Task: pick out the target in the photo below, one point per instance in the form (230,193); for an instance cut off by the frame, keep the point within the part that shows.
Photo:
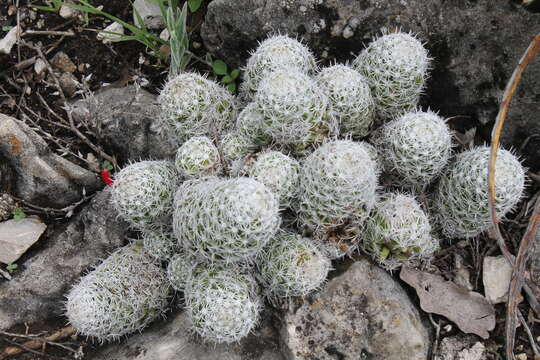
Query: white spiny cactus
(227,220)
(275,54)
(279,173)
(198,157)
(222,303)
(292,266)
(293,110)
(396,67)
(461,202)
(122,295)
(398,232)
(179,270)
(160,242)
(350,100)
(338,183)
(250,125)
(142,192)
(192,105)
(414,148)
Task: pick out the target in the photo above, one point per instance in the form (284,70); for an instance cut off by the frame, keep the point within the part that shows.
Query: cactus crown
(142,192)
(120,296)
(461,201)
(226,220)
(396,67)
(415,148)
(179,270)
(197,157)
(350,100)
(192,105)
(222,303)
(398,232)
(274,54)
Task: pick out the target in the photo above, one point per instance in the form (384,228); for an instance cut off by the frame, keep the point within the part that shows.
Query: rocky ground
(48,170)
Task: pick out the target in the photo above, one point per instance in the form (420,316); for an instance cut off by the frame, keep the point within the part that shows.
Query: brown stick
(37,343)
(517,277)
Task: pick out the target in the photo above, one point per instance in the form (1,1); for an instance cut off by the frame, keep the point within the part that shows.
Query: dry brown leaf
(469,310)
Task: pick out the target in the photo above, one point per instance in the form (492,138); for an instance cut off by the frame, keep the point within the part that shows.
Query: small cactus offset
(122,295)
(294,110)
(222,304)
(461,199)
(399,232)
(250,125)
(198,157)
(225,220)
(414,148)
(160,242)
(292,266)
(142,192)
(338,184)
(395,66)
(279,173)
(274,54)
(179,270)
(192,105)
(350,100)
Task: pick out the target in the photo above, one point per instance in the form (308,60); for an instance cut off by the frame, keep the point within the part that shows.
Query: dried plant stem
(35,343)
(519,265)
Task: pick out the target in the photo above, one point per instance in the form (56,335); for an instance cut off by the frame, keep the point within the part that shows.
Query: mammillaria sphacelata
(461,199)
(198,157)
(122,295)
(160,242)
(396,67)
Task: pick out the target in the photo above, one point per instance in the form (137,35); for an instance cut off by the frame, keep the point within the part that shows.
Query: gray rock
(45,274)
(125,118)
(7,205)
(496,276)
(461,347)
(362,314)
(41,177)
(7,42)
(475,44)
(62,62)
(172,340)
(150,13)
(16,236)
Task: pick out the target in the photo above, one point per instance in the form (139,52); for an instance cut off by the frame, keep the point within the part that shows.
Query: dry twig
(35,343)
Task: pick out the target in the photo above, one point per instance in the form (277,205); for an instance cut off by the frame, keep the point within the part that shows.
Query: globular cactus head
(414,148)
(225,220)
(396,67)
(461,200)
(179,270)
(160,242)
(337,191)
(198,157)
(294,110)
(192,105)
(279,173)
(292,266)
(122,295)
(235,148)
(142,192)
(250,125)
(350,100)
(222,303)
(274,54)
(398,232)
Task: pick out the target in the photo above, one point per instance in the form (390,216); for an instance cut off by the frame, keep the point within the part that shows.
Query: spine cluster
(198,157)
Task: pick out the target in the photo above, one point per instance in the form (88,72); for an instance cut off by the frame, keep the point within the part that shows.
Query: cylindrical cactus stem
(461,200)
(122,295)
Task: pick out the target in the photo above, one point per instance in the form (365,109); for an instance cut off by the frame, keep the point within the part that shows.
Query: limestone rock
(106,37)
(461,347)
(363,313)
(41,177)
(7,42)
(45,274)
(149,12)
(16,236)
(496,275)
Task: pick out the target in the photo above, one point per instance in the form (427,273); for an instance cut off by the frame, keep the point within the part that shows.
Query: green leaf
(232,88)
(219,67)
(18,214)
(7,28)
(12,267)
(235,73)
(384,253)
(107,165)
(227,79)
(194,5)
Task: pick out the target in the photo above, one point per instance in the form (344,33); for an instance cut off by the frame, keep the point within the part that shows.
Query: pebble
(149,12)
(68,83)
(108,38)
(496,276)
(6,44)
(40,66)
(16,236)
(61,61)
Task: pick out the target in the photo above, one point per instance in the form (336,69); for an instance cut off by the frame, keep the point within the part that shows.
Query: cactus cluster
(120,296)
(462,201)
(256,205)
